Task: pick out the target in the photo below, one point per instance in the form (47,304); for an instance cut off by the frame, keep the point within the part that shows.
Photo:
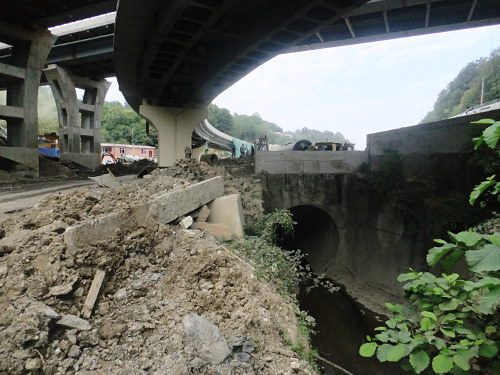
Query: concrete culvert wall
(316,235)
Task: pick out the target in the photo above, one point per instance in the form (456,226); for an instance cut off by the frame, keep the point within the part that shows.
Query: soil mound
(173,301)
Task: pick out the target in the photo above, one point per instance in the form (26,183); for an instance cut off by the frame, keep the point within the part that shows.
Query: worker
(242,151)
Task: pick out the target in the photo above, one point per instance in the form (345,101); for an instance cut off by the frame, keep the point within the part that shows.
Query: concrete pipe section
(341,325)
(211,159)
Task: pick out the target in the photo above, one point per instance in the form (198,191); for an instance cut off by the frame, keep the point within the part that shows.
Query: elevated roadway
(184,53)
(173,58)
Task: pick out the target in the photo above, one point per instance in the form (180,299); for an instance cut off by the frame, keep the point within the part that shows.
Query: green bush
(450,323)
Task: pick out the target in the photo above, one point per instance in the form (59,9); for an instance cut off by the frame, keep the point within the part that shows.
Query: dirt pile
(173,301)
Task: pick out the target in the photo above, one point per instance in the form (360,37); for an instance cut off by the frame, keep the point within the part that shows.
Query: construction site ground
(167,300)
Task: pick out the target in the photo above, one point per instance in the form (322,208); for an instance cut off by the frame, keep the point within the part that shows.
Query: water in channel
(341,323)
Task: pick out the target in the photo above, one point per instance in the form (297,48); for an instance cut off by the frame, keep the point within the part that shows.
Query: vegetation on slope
(250,127)
(465,90)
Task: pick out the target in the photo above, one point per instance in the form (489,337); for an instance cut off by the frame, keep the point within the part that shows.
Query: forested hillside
(465,90)
(121,124)
(249,127)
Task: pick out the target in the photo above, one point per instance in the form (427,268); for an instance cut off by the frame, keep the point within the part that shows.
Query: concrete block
(163,209)
(221,232)
(186,222)
(91,161)
(22,155)
(93,231)
(106,180)
(177,203)
(203,214)
(228,210)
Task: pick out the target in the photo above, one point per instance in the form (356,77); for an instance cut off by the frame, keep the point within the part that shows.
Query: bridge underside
(186,53)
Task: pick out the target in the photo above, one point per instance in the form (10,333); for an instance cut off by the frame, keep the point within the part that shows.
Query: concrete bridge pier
(21,78)
(175,127)
(79,120)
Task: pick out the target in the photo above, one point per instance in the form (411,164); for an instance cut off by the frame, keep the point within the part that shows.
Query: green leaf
(441,364)
(494,239)
(488,351)
(426,324)
(491,134)
(429,314)
(448,305)
(382,352)
(437,253)
(438,240)
(461,362)
(487,259)
(419,360)
(368,349)
(484,121)
(403,336)
(396,353)
(491,298)
(407,276)
(469,239)
(490,329)
(479,189)
(447,332)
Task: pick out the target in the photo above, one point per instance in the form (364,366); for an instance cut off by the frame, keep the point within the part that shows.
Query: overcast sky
(356,90)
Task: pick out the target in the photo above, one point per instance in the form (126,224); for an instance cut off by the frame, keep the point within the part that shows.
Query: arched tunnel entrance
(341,324)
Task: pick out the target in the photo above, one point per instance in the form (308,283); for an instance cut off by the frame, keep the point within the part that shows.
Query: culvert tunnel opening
(341,323)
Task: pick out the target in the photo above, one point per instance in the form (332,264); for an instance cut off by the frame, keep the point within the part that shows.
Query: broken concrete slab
(106,180)
(176,203)
(203,214)
(228,210)
(94,230)
(163,209)
(221,232)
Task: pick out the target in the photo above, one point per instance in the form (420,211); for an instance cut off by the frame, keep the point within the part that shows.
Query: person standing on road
(242,151)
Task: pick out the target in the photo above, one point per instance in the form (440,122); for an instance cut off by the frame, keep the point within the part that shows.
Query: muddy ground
(173,301)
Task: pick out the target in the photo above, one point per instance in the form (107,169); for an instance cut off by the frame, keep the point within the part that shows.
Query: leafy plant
(285,269)
(451,323)
(490,136)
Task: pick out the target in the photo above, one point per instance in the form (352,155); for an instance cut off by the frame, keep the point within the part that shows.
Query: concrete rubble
(156,298)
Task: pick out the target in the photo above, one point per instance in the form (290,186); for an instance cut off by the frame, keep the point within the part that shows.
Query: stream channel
(341,324)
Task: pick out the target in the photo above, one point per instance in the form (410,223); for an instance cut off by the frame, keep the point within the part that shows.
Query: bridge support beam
(175,128)
(20,76)
(79,120)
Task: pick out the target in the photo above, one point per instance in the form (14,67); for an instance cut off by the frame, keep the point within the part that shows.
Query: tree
(220,118)
(121,124)
(465,90)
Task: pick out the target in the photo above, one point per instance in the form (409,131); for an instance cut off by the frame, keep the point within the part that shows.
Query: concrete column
(175,128)
(79,120)
(20,75)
